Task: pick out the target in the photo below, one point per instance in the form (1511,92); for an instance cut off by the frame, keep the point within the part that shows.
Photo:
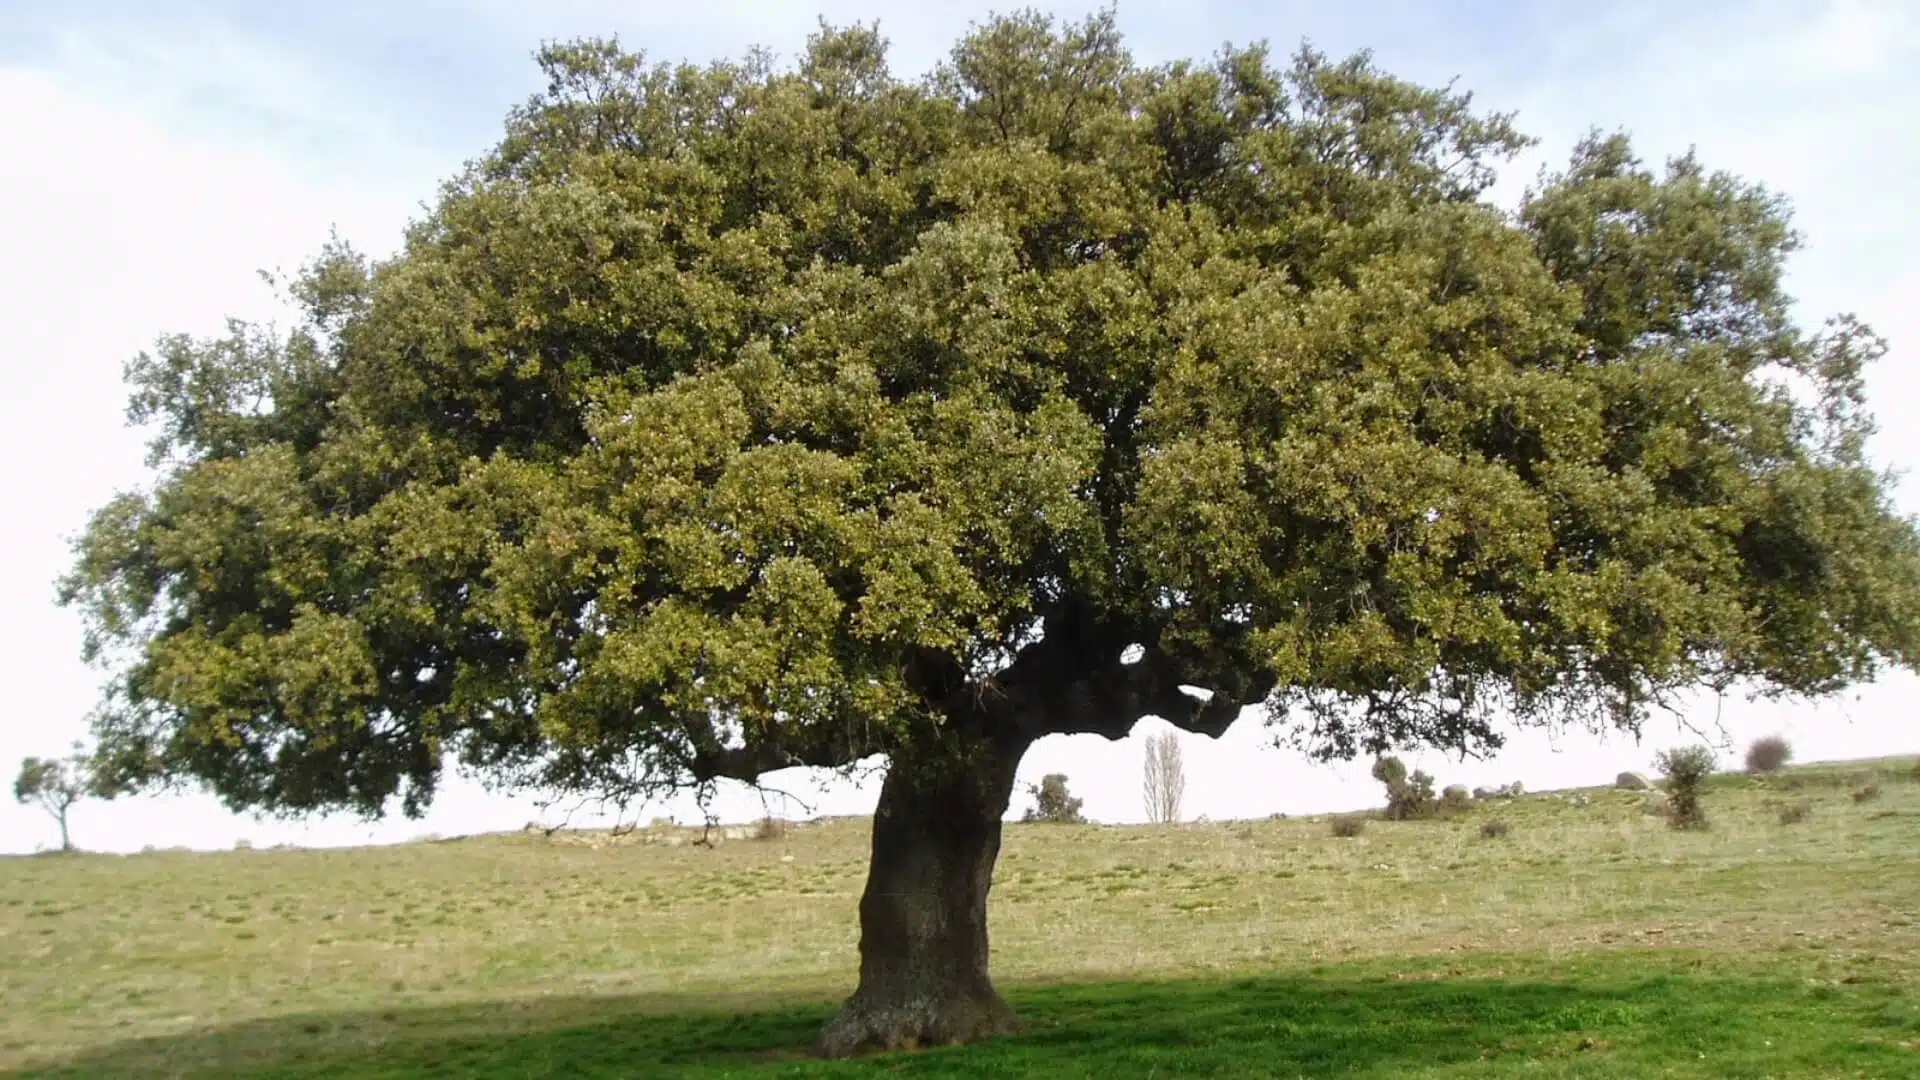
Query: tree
(1686,770)
(1165,783)
(1052,803)
(1768,754)
(727,419)
(54,785)
(1408,796)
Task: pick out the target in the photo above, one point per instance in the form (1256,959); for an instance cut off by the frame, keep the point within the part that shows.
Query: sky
(158,155)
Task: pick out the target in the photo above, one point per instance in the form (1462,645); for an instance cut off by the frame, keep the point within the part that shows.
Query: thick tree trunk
(923,918)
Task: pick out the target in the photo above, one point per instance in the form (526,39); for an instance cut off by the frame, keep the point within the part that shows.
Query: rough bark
(923,917)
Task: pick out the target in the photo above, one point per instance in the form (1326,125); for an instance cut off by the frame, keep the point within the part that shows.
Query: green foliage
(1389,770)
(724,418)
(1686,770)
(1866,794)
(1347,826)
(1455,800)
(1052,803)
(55,785)
(1408,796)
(1768,754)
(1794,813)
(1493,830)
(769,828)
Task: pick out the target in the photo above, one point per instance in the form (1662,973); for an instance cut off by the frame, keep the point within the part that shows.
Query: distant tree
(1409,796)
(1389,770)
(727,418)
(1686,770)
(1052,803)
(1165,782)
(54,785)
(1768,754)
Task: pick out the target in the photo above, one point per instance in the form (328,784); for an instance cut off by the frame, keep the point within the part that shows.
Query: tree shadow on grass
(1280,1026)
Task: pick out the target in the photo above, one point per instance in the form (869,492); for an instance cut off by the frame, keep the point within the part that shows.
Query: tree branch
(1112,698)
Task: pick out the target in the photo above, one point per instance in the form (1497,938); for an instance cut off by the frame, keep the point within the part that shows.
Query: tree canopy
(726,418)
(54,785)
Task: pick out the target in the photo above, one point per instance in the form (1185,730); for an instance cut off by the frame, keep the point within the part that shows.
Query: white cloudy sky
(155,155)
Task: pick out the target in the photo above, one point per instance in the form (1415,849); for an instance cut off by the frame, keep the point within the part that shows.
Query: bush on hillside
(1493,830)
(1630,781)
(769,828)
(1768,754)
(1389,770)
(1348,825)
(1867,794)
(1686,770)
(1409,795)
(1455,800)
(1052,803)
(1794,813)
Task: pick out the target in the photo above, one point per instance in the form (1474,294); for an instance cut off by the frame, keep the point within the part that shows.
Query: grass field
(1590,941)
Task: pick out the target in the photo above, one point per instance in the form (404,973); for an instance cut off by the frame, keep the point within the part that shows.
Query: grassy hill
(1589,941)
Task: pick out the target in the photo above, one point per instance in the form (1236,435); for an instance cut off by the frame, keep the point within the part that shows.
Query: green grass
(1590,941)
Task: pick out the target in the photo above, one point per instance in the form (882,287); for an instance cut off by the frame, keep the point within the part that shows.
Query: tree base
(864,1026)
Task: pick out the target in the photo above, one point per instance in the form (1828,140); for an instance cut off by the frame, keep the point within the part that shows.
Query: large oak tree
(726,419)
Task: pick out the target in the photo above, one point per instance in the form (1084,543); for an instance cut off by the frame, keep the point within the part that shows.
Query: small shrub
(1051,802)
(1493,830)
(243,844)
(1455,800)
(1409,796)
(1686,770)
(1349,825)
(769,828)
(1630,781)
(1389,770)
(1794,813)
(1768,754)
(1867,794)
(1913,774)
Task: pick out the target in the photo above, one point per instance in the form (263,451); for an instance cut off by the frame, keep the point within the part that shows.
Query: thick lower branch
(1110,699)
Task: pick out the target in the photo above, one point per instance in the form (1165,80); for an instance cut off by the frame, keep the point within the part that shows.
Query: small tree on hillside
(1166,779)
(54,785)
(1686,770)
(1409,796)
(1769,753)
(1052,803)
